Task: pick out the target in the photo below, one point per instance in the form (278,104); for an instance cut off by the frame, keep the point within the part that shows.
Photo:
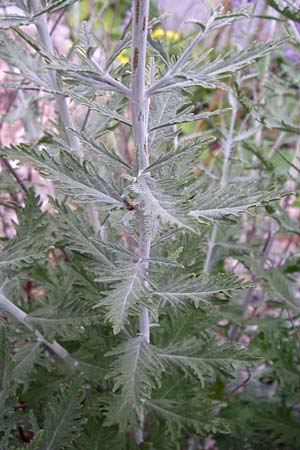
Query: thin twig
(4,161)
(14,173)
(7,205)
(292,323)
(57,22)
(230,393)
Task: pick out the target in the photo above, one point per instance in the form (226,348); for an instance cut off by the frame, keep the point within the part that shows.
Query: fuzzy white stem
(61,101)
(139,113)
(228,144)
(210,248)
(112,82)
(22,317)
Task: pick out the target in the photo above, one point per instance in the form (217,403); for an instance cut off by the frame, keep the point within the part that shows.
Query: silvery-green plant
(128,310)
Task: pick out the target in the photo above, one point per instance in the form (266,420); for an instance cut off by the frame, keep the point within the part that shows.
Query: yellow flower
(169,34)
(157,33)
(122,57)
(172,35)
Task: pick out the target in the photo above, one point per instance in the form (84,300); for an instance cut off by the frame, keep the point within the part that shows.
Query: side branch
(110,81)
(61,102)
(22,317)
(173,71)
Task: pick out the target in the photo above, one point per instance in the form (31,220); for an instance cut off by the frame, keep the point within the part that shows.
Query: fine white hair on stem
(139,113)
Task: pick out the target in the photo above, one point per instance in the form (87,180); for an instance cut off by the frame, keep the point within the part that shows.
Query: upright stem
(139,113)
(61,102)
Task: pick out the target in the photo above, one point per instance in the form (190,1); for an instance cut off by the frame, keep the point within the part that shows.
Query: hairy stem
(61,102)
(139,112)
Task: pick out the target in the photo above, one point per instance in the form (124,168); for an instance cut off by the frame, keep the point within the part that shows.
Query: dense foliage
(150,298)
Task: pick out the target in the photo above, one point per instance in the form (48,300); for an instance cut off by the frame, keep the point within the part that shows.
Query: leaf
(228,18)
(66,308)
(33,43)
(119,412)
(178,289)
(136,371)
(83,183)
(161,199)
(86,74)
(119,47)
(222,20)
(232,63)
(290,13)
(190,416)
(63,418)
(7,384)
(80,237)
(108,156)
(168,110)
(279,284)
(284,126)
(25,357)
(203,358)
(176,155)
(97,436)
(55,5)
(209,74)
(104,110)
(87,43)
(12,20)
(159,49)
(127,297)
(187,116)
(220,203)
(32,238)
(266,163)
(16,54)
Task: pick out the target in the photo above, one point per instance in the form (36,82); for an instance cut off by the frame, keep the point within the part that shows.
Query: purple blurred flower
(292,54)
(238,3)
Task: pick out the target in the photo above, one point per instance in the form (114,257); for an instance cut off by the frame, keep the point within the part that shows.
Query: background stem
(61,102)
(227,152)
